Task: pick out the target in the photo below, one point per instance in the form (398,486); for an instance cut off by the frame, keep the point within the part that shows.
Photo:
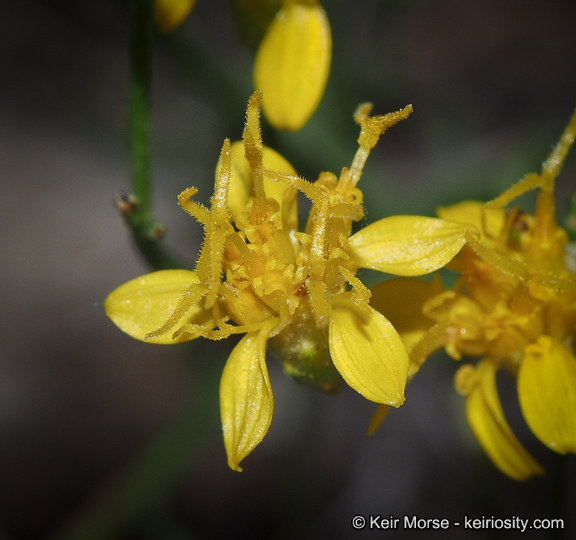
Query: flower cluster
(514,307)
(293,292)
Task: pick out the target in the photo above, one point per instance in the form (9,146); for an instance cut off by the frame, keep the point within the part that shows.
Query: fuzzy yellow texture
(259,275)
(514,306)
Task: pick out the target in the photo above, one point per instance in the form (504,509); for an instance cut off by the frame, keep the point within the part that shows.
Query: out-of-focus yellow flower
(514,306)
(293,62)
(293,292)
(170,13)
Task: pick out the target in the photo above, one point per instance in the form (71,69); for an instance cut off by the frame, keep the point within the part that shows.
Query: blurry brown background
(492,83)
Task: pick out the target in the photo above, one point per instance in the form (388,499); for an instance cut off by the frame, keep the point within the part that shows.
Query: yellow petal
(475,213)
(400,300)
(144,304)
(241,184)
(367,351)
(246,401)
(378,418)
(487,421)
(292,64)
(547,393)
(170,13)
(407,245)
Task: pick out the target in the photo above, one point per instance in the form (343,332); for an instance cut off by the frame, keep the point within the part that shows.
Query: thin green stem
(141,47)
(136,206)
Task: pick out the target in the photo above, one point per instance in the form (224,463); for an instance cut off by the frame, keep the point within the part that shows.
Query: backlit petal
(400,300)
(292,64)
(487,421)
(407,245)
(144,304)
(246,401)
(547,393)
(475,213)
(367,351)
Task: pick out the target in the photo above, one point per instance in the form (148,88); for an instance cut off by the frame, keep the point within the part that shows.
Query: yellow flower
(292,63)
(514,305)
(294,293)
(170,13)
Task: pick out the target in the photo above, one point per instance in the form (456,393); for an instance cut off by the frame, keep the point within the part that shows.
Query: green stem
(136,207)
(141,47)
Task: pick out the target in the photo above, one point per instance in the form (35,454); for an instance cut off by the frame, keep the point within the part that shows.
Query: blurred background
(102,436)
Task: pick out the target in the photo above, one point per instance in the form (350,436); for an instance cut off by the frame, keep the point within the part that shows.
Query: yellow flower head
(170,13)
(514,306)
(294,292)
(293,62)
